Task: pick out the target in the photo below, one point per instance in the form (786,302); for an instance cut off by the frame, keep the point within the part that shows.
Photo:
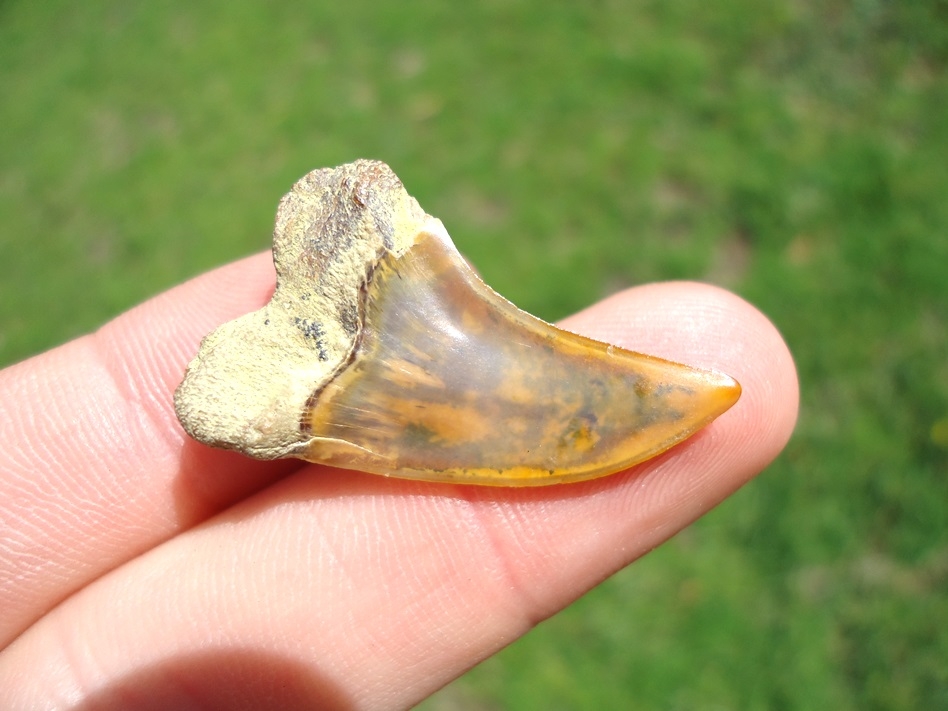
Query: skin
(142,570)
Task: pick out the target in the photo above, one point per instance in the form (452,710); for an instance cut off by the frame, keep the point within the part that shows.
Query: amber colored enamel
(451,382)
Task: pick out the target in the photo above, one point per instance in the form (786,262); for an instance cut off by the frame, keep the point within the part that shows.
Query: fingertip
(709,327)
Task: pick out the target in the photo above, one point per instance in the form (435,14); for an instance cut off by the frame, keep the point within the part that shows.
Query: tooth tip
(728,389)
(720,393)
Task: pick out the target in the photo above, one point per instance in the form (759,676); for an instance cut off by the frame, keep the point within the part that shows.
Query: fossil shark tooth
(381,350)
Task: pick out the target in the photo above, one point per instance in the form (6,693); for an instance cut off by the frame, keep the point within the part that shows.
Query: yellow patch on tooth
(471,323)
(410,375)
(514,388)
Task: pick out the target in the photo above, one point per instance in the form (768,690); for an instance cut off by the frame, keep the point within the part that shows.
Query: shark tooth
(382,350)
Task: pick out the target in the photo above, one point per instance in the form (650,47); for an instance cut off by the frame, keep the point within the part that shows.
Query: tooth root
(382,351)
(451,382)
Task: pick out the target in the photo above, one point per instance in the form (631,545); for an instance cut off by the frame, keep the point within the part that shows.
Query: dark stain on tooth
(415,434)
(313,331)
(349,316)
(359,195)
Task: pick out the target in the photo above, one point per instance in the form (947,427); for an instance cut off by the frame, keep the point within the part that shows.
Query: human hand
(142,570)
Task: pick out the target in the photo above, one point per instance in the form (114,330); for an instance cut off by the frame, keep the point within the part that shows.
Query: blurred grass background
(796,152)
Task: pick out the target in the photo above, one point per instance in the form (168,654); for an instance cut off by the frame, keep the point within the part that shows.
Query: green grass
(796,152)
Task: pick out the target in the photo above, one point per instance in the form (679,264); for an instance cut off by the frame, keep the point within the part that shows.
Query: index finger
(96,468)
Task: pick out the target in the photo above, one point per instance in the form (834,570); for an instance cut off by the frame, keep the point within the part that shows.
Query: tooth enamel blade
(451,382)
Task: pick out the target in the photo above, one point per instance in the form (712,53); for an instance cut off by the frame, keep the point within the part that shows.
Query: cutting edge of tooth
(361,419)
